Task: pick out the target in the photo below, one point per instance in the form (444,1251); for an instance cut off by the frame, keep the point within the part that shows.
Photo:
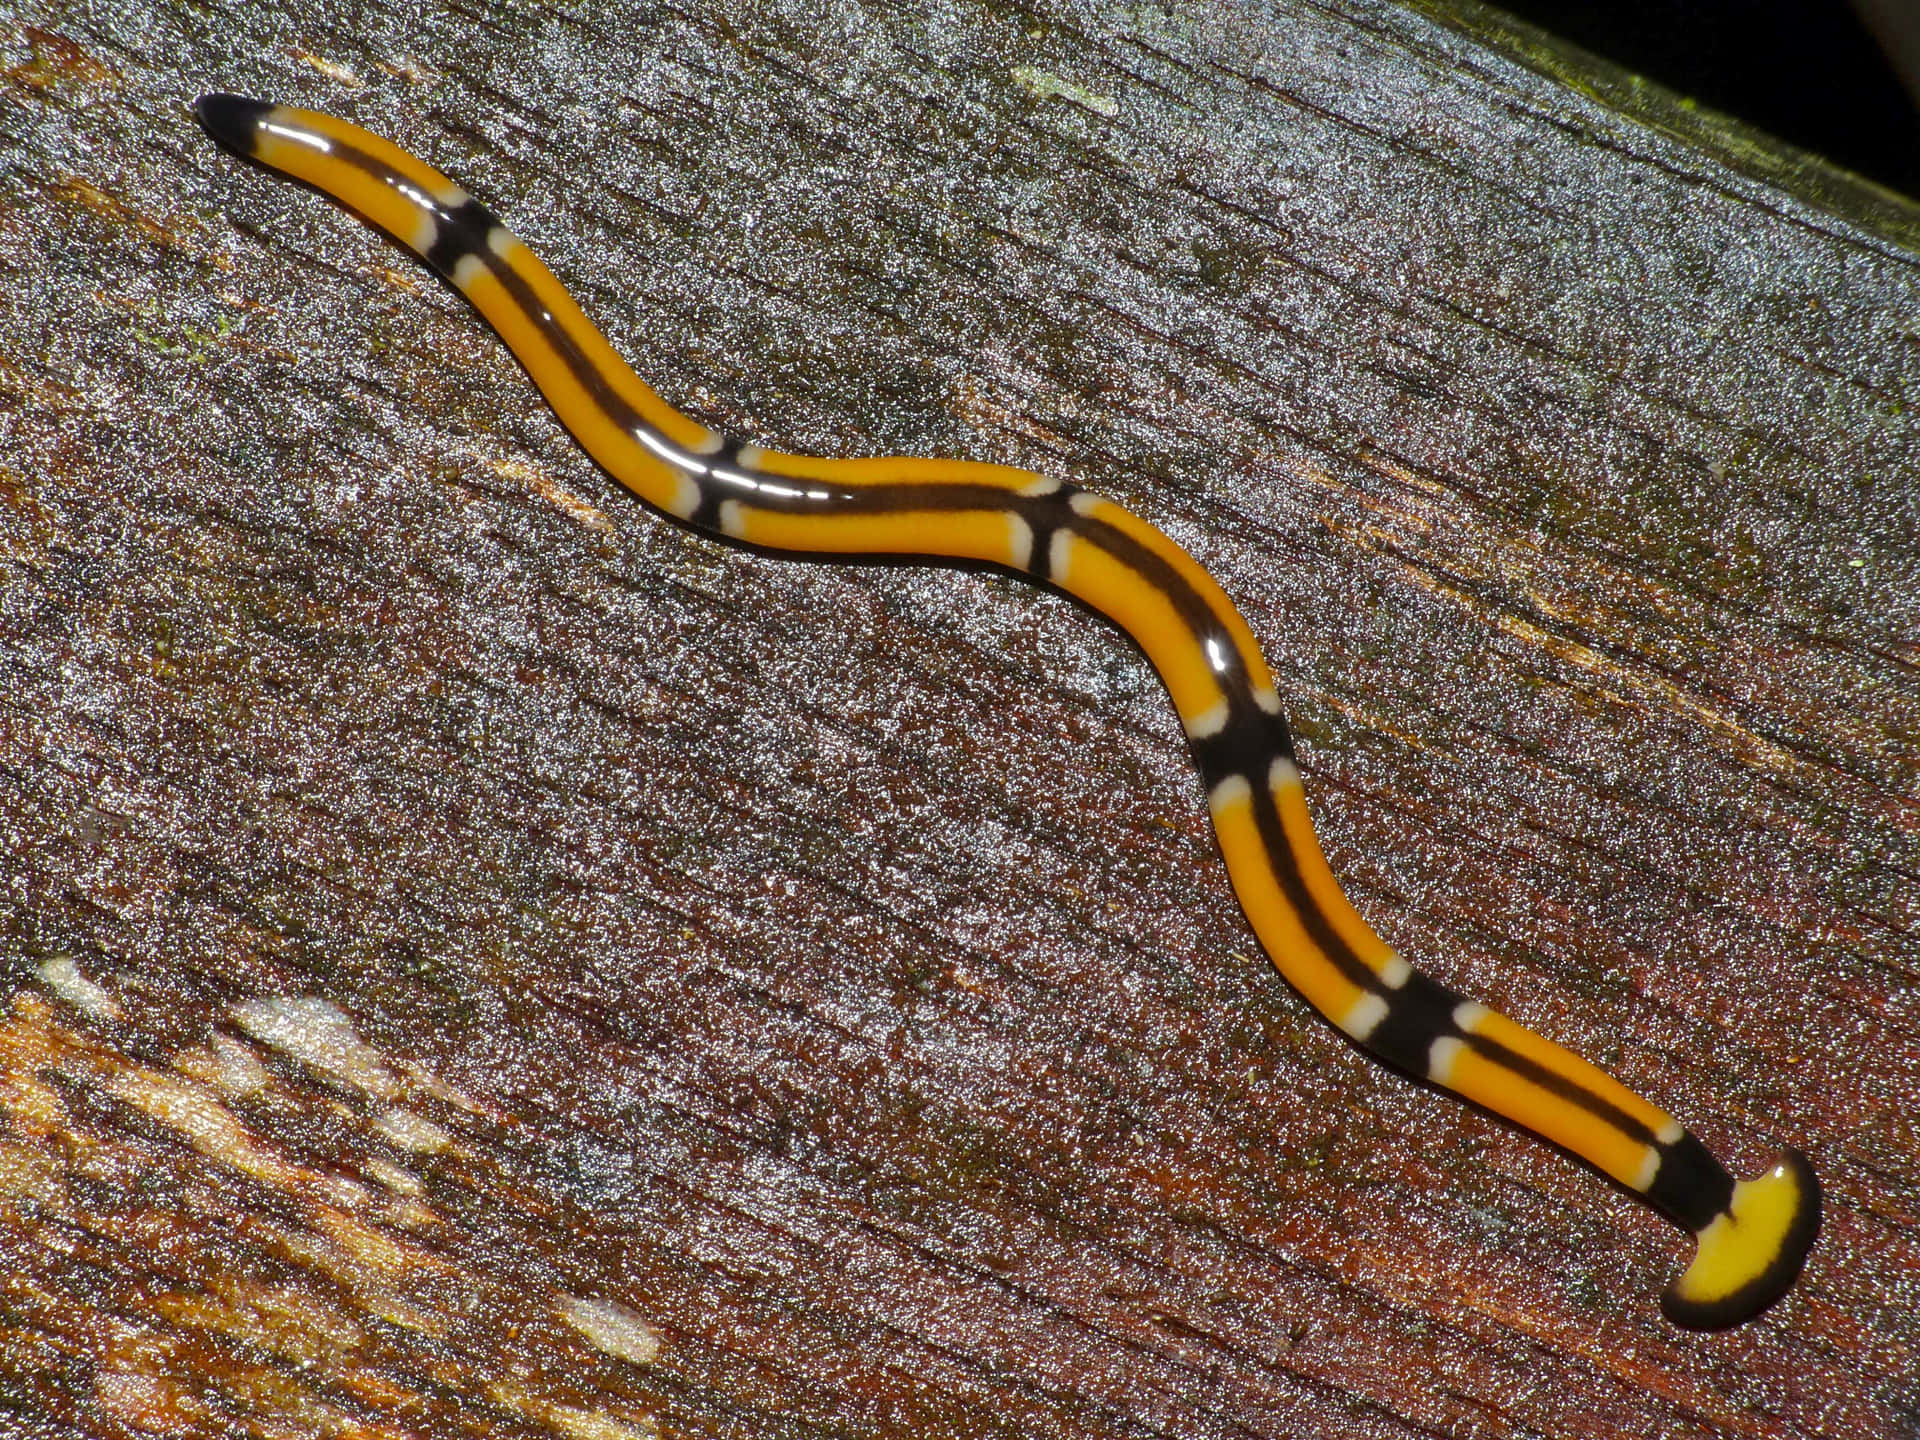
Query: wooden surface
(483,961)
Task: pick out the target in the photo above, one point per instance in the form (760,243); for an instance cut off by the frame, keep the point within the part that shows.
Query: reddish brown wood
(483,961)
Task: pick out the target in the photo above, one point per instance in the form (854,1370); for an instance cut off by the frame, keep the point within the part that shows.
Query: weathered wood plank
(484,961)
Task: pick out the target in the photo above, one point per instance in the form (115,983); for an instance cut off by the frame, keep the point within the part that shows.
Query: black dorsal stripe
(1285,866)
(466,243)
(1421,1011)
(465,231)
(1554,1083)
(1139,578)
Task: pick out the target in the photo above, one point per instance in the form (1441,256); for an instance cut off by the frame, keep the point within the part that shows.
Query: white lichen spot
(555,494)
(318,1033)
(412,69)
(238,1070)
(292,1323)
(400,1181)
(1042,86)
(195,1112)
(410,1214)
(28,1177)
(332,69)
(568,1419)
(62,976)
(344,1191)
(140,1400)
(360,1250)
(612,1329)
(423,1079)
(412,1132)
(408,1316)
(592,1425)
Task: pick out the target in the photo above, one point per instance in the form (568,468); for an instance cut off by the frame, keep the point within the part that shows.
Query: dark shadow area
(1807,71)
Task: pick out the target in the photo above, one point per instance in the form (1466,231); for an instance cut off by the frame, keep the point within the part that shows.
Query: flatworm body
(1752,1236)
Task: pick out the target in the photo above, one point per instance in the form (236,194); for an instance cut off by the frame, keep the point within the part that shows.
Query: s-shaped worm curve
(1751,1236)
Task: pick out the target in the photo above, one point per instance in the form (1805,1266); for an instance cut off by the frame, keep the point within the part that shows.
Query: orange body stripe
(1752,1237)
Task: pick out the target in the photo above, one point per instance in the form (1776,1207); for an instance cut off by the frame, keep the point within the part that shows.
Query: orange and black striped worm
(1752,1236)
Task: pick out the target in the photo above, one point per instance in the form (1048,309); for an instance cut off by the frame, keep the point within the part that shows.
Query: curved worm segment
(1751,1251)
(1752,1237)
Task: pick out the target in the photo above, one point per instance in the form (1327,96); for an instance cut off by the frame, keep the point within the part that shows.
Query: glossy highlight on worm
(1752,1236)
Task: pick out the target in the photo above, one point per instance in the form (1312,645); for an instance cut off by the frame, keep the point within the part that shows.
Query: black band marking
(1690,1187)
(458,233)
(1418,1013)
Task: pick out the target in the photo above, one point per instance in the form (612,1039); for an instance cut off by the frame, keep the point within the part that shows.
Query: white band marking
(1363,1015)
(1059,552)
(1019,542)
(1209,722)
(1440,1058)
(1229,792)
